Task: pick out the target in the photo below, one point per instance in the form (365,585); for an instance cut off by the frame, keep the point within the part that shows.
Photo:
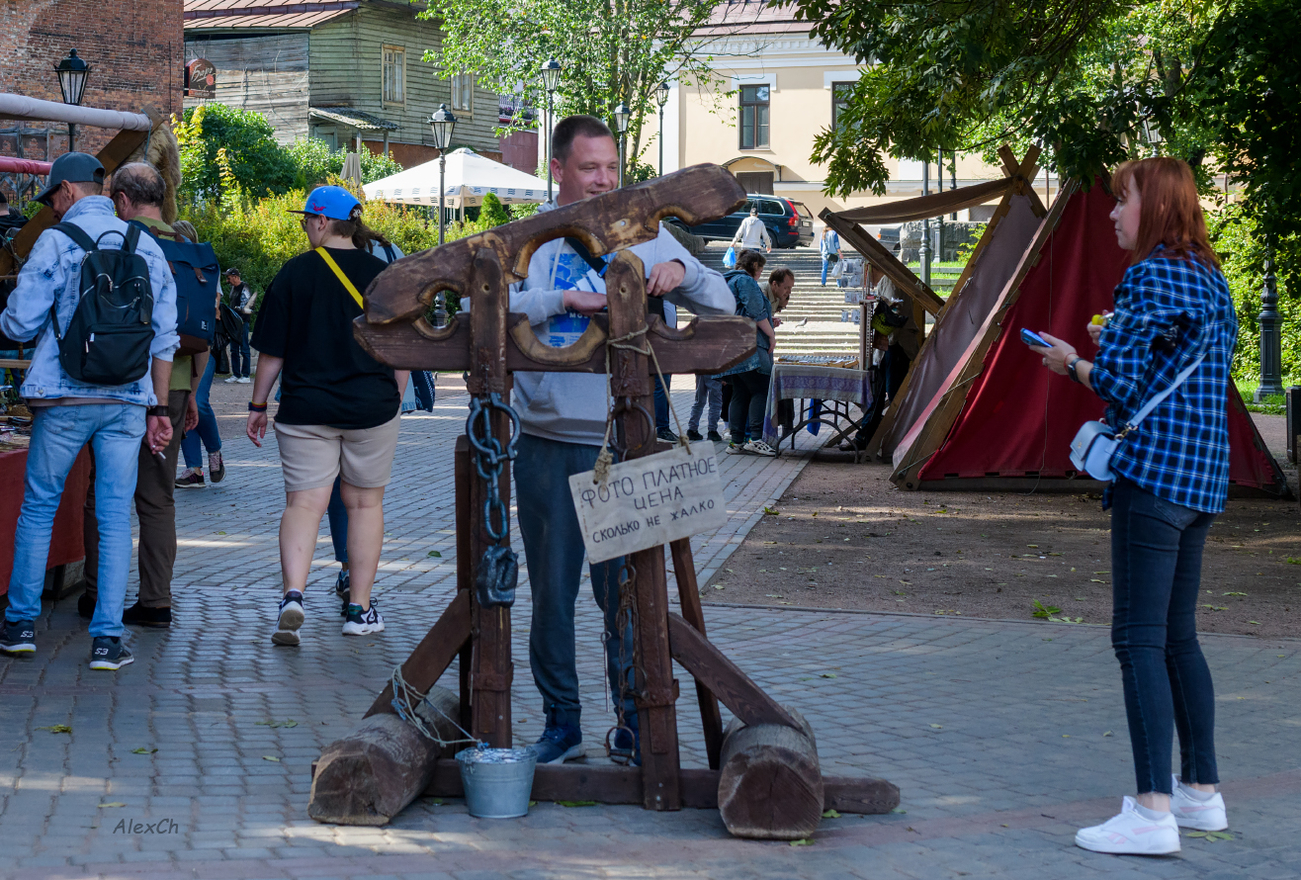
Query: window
(840,93)
(395,75)
(463,92)
(754,117)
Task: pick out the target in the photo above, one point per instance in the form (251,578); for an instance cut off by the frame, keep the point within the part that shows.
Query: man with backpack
(99,300)
(137,191)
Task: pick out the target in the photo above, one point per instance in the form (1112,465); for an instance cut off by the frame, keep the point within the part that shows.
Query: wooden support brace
(433,655)
(684,568)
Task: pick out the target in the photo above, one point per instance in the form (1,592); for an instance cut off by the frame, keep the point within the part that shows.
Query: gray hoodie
(571,407)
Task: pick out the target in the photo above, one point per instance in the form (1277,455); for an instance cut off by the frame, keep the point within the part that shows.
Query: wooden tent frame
(490,343)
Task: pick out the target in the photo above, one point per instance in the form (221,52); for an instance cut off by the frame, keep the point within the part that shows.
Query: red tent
(1000,420)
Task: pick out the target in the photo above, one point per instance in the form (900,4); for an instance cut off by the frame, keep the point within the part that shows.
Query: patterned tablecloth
(812,382)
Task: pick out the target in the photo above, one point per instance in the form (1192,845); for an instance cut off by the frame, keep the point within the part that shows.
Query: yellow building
(776,88)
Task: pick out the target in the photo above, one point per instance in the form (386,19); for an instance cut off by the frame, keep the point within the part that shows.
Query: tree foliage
(612,51)
(493,212)
(1094,82)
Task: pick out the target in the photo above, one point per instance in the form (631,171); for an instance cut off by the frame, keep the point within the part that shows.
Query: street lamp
(622,114)
(442,123)
(72,73)
(550,81)
(1271,338)
(662,98)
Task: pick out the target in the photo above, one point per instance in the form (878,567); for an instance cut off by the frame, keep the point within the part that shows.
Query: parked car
(789,223)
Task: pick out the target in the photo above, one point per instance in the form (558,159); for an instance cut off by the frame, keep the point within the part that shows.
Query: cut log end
(770,786)
(369,776)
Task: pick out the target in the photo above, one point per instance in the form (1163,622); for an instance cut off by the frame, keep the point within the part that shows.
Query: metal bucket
(497,782)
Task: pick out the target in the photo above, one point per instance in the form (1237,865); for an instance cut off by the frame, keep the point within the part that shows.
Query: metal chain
(490,457)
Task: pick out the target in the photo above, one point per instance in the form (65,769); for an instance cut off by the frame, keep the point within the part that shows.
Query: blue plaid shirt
(1180,452)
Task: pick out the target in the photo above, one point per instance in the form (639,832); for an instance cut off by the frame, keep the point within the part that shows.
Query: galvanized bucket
(497,782)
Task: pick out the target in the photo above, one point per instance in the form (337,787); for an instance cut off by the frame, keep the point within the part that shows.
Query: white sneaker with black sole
(1132,833)
(758,447)
(289,620)
(1197,810)
(361,622)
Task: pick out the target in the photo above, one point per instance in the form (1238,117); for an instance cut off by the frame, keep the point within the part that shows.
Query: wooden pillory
(763,770)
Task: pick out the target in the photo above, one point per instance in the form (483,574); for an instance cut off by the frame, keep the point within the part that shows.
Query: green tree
(493,212)
(612,52)
(315,161)
(261,165)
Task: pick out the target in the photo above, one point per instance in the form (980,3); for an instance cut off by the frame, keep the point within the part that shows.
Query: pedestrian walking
(750,377)
(1174,327)
(240,299)
(752,234)
(205,435)
(338,413)
(99,300)
(829,248)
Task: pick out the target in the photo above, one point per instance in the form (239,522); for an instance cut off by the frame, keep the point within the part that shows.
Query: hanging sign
(649,501)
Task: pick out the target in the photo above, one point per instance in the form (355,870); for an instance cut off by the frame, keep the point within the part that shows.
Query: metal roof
(263,14)
(353,118)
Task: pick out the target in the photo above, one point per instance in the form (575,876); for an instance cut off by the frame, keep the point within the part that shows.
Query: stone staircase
(820,308)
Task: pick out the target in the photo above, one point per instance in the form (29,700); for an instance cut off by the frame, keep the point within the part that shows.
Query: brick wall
(133,47)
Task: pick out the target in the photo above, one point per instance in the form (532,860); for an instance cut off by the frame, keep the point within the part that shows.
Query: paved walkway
(1003,737)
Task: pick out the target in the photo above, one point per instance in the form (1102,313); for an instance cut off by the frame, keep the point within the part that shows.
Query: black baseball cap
(74,168)
(233,271)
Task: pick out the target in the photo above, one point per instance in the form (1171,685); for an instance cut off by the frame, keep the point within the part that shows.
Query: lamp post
(441,124)
(622,114)
(550,80)
(662,98)
(924,252)
(72,73)
(1271,338)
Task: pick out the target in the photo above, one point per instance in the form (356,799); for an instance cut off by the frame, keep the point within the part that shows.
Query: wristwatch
(160,410)
(1070,368)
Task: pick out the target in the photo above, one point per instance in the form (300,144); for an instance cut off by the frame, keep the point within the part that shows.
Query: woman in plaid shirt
(1172,306)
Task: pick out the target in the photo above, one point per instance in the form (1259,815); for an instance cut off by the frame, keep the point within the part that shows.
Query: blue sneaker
(559,743)
(18,637)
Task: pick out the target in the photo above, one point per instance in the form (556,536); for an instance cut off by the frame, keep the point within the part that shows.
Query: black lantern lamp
(72,73)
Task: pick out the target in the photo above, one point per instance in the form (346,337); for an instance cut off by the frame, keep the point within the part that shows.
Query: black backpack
(107,341)
(194,269)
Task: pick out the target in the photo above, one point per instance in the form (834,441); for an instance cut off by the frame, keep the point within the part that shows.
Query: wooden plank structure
(490,343)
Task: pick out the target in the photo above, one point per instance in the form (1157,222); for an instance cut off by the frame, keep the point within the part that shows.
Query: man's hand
(191,414)
(665,277)
(585,302)
(257,427)
(158,433)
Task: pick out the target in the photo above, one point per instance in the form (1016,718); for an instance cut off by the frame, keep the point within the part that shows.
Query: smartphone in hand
(1029,337)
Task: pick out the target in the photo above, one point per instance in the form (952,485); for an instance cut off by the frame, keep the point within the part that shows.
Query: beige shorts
(313,455)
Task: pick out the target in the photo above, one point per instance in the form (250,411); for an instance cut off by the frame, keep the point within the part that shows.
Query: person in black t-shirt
(338,412)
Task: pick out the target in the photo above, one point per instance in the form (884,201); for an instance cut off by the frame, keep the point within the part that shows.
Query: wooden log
(770,786)
(859,794)
(367,777)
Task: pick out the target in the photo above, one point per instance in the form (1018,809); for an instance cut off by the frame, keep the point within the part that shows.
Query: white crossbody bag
(1095,443)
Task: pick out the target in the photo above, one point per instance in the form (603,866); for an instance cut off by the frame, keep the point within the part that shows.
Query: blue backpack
(194,268)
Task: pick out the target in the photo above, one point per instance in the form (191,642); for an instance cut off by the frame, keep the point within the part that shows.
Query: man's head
(73,177)
(754,210)
(781,282)
(232,277)
(584,159)
(137,190)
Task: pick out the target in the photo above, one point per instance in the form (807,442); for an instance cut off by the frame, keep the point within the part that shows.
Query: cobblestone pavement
(194,762)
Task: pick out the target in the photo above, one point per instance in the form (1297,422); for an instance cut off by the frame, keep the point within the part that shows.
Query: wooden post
(630,382)
(771,785)
(684,568)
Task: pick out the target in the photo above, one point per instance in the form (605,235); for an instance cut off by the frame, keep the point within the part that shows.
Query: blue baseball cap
(334,202)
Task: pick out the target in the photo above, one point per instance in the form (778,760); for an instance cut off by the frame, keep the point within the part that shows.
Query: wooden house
(343,71)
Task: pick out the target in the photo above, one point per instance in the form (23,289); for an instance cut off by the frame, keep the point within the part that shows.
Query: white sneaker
(289,620)
(230,379)
(243,380)
(1189,812)
(361,623)
(758,447)
(1131,833)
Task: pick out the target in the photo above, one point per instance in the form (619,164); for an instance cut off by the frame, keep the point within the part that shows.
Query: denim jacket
(52,274)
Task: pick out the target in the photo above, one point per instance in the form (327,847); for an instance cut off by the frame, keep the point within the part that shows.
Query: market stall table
(824,378)
(66,546)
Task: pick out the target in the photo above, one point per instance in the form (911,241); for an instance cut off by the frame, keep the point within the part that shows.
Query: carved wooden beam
(610,222)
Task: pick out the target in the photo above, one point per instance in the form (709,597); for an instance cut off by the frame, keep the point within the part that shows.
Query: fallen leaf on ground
(113,804)
(143,751)
(271,758)
(57,728)
(436,554)
(804,841)
(576,803)
(830,814)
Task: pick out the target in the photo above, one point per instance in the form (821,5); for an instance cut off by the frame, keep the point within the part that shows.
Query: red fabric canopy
(1019,418)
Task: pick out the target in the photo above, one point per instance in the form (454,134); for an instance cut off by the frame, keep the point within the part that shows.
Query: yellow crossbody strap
(343,279)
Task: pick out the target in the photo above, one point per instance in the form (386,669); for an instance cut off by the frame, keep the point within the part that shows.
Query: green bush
(493,212)
(1243,254)
(316,161)
(253,157)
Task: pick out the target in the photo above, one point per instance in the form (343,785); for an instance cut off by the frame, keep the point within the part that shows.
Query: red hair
(1169,211)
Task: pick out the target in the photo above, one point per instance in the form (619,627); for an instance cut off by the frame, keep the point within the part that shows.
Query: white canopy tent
(469,178)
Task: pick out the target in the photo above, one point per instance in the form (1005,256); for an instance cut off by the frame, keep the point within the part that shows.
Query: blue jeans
(749,403)
(709,389)
(553,548)
(207,428)
(662,403)
(240,356)
(1156,560)
(114,431)
(337,513)
(826,264)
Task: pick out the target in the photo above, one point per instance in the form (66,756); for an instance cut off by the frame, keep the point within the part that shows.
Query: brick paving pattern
(1003,737)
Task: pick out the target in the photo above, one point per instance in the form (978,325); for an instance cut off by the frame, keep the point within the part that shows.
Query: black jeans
(749,400)
(1156,560)
(240,356)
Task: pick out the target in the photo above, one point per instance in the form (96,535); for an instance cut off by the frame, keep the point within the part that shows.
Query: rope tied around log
(406,699)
